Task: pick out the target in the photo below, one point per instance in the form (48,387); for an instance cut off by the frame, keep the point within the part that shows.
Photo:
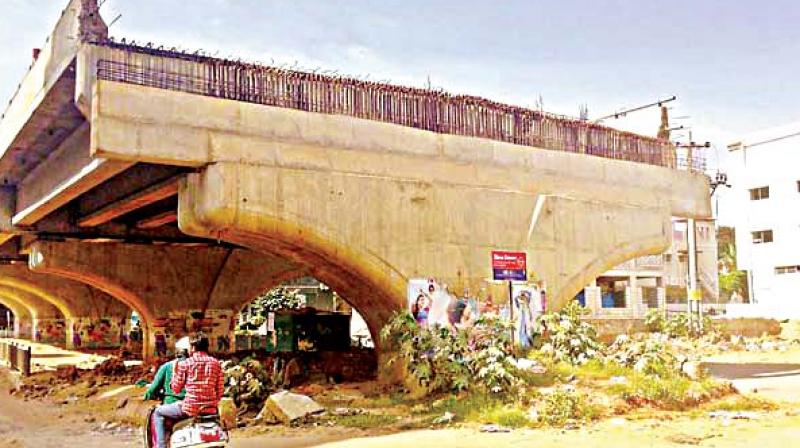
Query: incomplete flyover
(182,186)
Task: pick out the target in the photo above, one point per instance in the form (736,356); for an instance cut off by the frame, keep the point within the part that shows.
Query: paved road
(776,381)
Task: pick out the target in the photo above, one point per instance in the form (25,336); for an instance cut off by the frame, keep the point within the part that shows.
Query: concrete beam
(158,220)
(88,177)
(139,123)
(142,198)
(55,56)
(66,174)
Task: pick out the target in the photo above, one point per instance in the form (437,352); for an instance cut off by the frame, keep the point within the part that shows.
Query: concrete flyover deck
(182,185)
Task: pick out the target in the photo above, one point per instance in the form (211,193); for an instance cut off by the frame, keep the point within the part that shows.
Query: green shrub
(646,355)
(654,321)
(441,359)
(676,325)
(562,406)
(566,337)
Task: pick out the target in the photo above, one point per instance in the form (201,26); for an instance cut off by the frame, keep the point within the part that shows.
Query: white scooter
(203,431)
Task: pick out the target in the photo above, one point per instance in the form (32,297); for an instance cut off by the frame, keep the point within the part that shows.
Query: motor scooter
(202,431)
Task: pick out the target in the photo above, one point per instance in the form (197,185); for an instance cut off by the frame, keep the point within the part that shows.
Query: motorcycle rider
(160,388)
(202,377)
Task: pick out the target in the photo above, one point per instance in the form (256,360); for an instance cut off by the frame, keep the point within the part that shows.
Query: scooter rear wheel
(148,432)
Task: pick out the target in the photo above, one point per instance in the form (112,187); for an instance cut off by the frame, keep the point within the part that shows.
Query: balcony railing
(645,263)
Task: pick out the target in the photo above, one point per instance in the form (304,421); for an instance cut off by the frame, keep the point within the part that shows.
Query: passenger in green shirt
(161,383)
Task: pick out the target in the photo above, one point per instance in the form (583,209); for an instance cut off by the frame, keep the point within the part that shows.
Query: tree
(276,299)
(731,279)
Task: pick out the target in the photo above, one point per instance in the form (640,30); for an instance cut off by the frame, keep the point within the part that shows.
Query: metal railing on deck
(418,108)
(16,356)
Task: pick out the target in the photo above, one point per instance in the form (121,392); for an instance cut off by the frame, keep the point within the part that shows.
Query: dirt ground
(775,375)
(38,425)
(616,433)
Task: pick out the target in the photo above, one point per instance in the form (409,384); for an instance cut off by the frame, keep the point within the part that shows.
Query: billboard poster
(509,265)
(432,304)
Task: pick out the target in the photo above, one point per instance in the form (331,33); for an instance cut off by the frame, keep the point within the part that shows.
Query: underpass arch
(20,285)
(623,253)
(21,314)
(370,284)
(106,285)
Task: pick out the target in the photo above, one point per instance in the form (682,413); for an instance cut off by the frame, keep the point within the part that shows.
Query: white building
(764,207)
(657,281)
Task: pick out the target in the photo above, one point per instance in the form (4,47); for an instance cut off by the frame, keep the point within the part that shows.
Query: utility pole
(693,295)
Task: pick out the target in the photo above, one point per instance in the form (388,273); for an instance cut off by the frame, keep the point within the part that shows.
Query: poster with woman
(419,300)
(429,302)
(527,306)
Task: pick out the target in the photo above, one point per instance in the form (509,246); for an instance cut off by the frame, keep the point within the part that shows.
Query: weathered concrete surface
(371,205)
(289,407)
(165,284)
(23,317)
(79,306)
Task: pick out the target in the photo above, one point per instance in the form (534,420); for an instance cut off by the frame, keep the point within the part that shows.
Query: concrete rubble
(289,407)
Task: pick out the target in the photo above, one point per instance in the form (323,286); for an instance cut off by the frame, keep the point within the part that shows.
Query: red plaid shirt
(204,381)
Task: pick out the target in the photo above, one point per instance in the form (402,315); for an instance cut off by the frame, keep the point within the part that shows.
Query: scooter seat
(207,418)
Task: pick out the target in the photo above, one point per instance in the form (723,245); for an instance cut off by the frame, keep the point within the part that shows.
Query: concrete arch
(372,285)
(38,262)
(40,309)
(594,269)
(164,284)
(29,310)
(23,317)
(19,285)
(75,299)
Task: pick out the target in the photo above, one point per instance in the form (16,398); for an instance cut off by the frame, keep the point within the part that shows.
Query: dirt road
(38,425)
(779,432)
(34,424)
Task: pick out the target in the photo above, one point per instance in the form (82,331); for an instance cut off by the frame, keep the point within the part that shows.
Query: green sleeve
(156,388)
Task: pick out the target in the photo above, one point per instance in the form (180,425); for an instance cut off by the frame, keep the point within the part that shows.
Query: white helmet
(182,344)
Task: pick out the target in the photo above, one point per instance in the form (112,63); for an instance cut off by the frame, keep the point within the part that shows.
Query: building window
(798,186)
(762,236)
(757,194)
(787,269)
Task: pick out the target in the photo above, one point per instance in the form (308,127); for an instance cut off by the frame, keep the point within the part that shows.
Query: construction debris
(289,407)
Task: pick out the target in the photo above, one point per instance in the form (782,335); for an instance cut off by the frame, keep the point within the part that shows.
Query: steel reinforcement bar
(430,110)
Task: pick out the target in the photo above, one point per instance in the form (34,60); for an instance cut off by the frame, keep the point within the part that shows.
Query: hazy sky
(734,65)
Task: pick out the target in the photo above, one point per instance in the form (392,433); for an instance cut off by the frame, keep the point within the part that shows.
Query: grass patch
(366,420)
(466,407)
(741,403)
(508,416)
(594,370)
(670,392)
